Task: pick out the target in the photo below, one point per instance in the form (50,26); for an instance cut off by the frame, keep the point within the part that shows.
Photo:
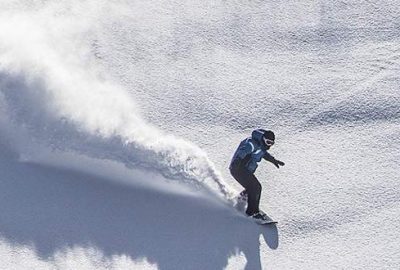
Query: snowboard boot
(243,196)
(259,218)
(241,201)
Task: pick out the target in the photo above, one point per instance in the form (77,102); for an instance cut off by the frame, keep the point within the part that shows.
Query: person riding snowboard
(244,163)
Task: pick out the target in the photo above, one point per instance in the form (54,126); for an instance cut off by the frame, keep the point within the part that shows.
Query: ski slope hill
(118,121)
(58,217)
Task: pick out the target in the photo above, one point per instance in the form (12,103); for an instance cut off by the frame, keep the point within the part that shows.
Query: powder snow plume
(51,90)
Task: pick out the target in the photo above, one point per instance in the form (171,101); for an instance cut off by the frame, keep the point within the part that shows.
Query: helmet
(269,138)
(269,135)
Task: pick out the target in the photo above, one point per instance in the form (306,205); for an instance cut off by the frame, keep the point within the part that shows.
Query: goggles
(269,142)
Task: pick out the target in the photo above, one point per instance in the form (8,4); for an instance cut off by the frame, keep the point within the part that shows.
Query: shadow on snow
(54,209)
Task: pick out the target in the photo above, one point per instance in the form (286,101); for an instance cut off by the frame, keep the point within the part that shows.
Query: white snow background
(118,120)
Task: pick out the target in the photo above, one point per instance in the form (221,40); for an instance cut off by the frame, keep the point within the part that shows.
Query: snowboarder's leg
(252,186)
(254,193)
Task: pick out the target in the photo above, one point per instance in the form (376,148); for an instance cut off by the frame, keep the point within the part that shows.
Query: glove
(278,163)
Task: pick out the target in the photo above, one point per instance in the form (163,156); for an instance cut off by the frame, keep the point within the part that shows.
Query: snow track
(64,104)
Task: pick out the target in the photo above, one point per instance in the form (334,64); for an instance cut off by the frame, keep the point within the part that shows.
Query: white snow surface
(118,120)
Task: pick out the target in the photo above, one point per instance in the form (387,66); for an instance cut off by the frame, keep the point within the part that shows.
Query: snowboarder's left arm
(273,160)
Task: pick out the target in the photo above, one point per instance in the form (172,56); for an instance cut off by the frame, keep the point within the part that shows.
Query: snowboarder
(244,163)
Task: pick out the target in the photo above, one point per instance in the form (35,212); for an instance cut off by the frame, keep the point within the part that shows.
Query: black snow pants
(252,186)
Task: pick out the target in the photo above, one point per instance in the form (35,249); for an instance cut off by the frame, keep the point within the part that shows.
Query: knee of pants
(256,187)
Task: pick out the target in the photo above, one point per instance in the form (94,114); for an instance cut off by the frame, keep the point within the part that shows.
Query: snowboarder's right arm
(242,154)
(245,148)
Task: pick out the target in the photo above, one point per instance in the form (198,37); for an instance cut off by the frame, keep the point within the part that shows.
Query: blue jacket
(250,152)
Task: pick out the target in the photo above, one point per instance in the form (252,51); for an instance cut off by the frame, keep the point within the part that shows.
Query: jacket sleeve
(269,157)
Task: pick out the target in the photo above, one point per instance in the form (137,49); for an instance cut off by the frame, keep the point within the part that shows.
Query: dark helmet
(269,138)
(269,135)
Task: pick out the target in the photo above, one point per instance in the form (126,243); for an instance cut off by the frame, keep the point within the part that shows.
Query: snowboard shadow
(55,209)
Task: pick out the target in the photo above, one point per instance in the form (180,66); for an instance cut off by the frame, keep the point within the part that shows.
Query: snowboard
(265,221)
(241,204)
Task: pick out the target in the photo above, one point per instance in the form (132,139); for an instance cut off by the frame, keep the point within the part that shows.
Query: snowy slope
(118,120)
